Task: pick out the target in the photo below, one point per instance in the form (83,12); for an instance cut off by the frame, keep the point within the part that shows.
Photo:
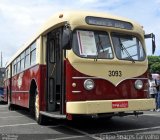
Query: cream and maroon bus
(81,63)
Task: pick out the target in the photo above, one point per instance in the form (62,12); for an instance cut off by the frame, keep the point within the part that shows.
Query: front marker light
(138,84)
(89,84)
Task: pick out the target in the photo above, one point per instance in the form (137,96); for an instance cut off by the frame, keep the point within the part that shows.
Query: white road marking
(151,114)
(3,107)
(132,130)
(7,112)
(11,117)
(13,125)
(84,133)
(65,138)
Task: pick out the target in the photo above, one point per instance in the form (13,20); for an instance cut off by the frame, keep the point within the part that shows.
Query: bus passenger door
(53,71)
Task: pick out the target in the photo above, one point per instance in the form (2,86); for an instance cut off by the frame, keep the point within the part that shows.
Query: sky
(21,19)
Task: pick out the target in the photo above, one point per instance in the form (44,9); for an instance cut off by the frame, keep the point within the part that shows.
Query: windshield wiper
(123,48)
(96,57)
(99,45)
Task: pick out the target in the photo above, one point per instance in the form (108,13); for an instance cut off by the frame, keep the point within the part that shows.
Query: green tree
(154,64)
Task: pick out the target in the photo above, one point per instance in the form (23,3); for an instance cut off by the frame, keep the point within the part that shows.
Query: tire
(38,117)
(109,118)
(10,106)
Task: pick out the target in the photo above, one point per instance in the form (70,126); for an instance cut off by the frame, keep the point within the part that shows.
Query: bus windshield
(127,47)
(92,44)
(97,44)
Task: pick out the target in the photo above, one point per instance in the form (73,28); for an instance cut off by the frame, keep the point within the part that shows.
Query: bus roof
(74,18)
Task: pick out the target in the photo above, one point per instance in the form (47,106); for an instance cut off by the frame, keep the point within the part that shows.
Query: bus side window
(18,64)
(22,61)
(33,54)
(27,59)
(14,67)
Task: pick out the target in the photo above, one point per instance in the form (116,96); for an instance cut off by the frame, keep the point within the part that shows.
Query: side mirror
(153,41)
(67,39)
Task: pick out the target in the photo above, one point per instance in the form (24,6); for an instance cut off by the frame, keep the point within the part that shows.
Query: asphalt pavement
(20,125)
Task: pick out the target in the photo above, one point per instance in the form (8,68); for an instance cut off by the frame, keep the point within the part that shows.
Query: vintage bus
(81,63)
(1,94)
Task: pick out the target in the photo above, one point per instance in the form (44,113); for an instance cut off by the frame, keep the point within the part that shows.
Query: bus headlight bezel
(89,84)
(138,84)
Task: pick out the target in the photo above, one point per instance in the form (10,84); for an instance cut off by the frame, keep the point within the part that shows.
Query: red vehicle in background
(81,63)
(2,73)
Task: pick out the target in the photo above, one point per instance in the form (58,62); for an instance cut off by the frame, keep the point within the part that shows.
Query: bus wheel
(109,118)
(38,117)
(10,106)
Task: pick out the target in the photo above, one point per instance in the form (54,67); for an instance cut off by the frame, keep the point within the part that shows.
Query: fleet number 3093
(115,73)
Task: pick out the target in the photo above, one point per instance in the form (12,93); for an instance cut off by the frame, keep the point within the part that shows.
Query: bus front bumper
(108,106)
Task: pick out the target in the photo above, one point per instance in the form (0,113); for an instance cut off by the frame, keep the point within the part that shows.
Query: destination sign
(109,22)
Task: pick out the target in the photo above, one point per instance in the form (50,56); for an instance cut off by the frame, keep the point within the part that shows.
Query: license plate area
(120,104)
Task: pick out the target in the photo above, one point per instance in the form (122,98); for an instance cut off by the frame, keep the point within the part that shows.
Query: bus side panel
(69,75)
(103,90)
(6,86)
(28,76)
(42,88)
(21,85)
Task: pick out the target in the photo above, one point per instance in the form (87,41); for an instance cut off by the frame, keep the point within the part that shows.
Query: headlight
(138,84)
(89,84)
